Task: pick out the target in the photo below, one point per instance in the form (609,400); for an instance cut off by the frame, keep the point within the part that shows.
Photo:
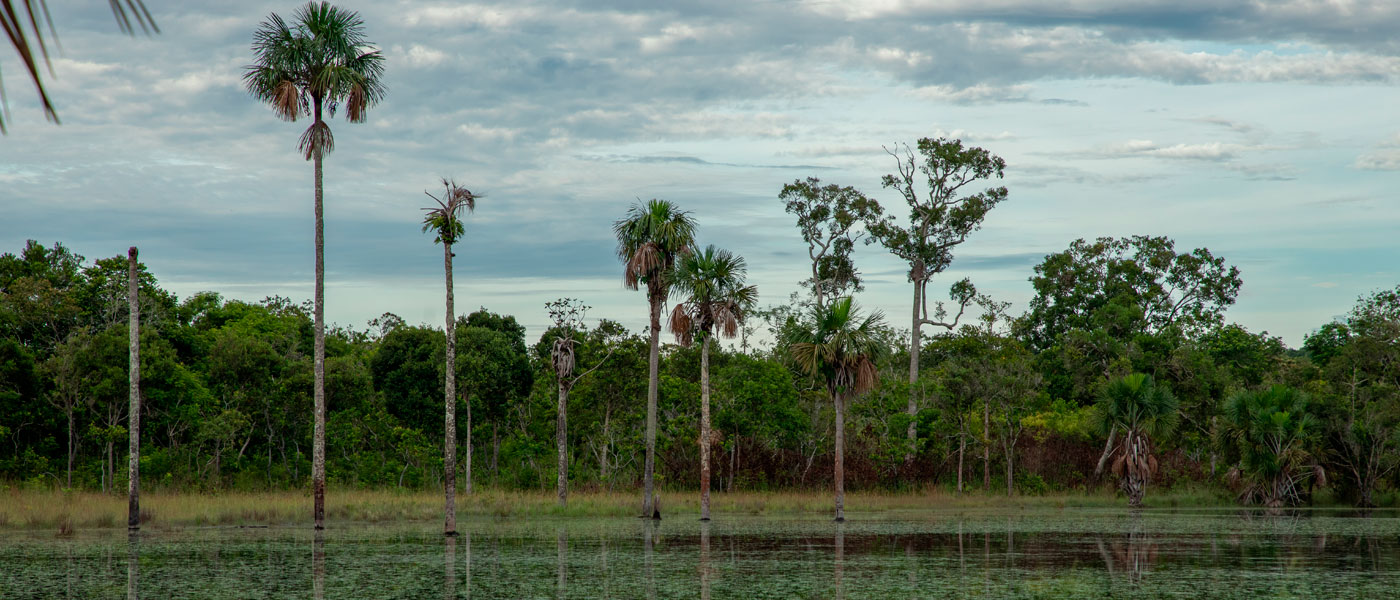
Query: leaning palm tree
(649,239)
(445,221)
(1144,411)
(712,282)
(839,348)
(315,65)
(1272,437)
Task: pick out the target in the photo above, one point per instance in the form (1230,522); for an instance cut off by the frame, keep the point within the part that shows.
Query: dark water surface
(1072,553)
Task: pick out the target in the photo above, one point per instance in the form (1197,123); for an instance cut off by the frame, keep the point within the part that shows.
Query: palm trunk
(840,472)
(318,439)
(705,428)
(449,442)
(133,417)
(913,371)
(653,382)
(562,440)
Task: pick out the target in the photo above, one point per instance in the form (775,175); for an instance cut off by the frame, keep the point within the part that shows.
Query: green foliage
(1272,436)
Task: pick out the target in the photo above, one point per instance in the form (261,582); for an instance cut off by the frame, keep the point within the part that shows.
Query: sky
(1264,131)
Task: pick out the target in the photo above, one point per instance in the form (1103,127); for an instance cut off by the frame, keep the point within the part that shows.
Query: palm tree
(649,239)
(445,221)
(1143,410)
(133,416)
(712,282)
(839,348)
(319,63)
(1271,435)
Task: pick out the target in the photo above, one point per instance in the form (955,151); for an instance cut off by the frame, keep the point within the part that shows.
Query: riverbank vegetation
(988,402)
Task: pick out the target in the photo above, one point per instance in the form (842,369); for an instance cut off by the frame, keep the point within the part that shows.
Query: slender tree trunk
(962,447)
(561,438)
(1009,466)
(986,446)
(607,441)
(705,428)
(133,417)
(840,472)
(467,402)
(913,372)
(495,449)
(70,447)
(1108,451)
(318,440)
(653,382)
(449,442)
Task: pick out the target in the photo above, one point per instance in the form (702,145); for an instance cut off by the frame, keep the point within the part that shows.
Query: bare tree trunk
(840,472)
(70,447)
(653,382)
(705,428)
(1108,451)
(318,440)
(913,372)
(562,440)
(962,447)
(1009,466)
(986,446)
(133,417)
(449,442)
(467,401)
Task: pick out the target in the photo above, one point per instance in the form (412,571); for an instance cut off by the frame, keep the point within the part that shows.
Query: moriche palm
(839,349)
(712,282)
(649,239)
(319,63)
(445,220)
(1144,411)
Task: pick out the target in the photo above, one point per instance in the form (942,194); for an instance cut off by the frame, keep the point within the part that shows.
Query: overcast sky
(1264,131)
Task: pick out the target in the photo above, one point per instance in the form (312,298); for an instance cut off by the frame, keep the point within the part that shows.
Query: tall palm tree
(445,221)
(1143,411)
(839,349)
(712,282)
(312,66)
(649,239)
(133,416)
(1272,437)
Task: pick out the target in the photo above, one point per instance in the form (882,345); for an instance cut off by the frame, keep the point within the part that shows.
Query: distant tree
(1126,286)
(1146,413)
(318,63)
(840,353)
(1271,435)
(829,217)
(716,301)
(1361,360)
(567,315)
(445,222)
(649,239)
(941,216)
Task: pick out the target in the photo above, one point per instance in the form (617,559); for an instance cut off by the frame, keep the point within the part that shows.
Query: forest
(1124,372)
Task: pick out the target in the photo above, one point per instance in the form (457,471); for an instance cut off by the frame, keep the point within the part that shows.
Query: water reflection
(318,565)
(133,565)
(449,571)
(1113,554)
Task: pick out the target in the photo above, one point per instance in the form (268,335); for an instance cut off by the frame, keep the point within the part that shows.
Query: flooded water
(1022,554)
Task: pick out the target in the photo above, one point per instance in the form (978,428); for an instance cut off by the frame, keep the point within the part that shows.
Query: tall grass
(41,509)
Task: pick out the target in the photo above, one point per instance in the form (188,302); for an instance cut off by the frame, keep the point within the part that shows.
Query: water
(1020,554)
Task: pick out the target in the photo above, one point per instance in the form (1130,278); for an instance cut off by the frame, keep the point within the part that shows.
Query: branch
(595,367)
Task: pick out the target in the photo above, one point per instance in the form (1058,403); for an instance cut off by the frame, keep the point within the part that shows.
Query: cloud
(1386,156)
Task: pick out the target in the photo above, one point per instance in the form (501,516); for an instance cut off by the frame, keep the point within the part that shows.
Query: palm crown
(648,240)
(712,281)
(1136,403)
(445,219)
(320,59)
(842,347)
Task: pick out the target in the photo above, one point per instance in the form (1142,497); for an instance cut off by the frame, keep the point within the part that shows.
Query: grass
(66,510)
